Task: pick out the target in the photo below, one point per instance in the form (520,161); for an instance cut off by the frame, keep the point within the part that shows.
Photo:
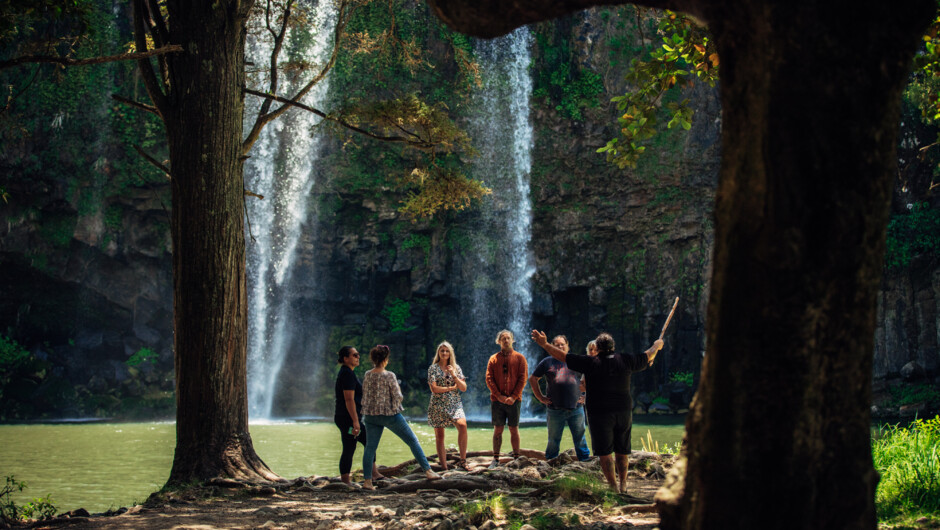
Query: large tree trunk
(203,112)
(778,436)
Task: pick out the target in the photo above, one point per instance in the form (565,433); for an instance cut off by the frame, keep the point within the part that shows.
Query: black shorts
(610,432)
(503,414)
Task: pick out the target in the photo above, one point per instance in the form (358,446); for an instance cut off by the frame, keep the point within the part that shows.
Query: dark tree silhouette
(778,435)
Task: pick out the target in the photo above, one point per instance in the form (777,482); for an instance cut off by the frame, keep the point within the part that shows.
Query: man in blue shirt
(563,389)
(609,404)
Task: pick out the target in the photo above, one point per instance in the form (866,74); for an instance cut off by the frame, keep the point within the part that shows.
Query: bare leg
(623,462)
(441,450)
(514,439)
(462,438)
(497,443)
(497,439)
(607,466)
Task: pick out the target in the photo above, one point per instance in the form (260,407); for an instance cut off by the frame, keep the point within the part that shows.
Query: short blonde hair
(500,334)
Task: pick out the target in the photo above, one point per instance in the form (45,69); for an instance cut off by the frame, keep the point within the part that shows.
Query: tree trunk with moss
(779,432)
(198,92)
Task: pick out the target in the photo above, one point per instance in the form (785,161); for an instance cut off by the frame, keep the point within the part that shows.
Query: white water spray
(501,261)
(282,168)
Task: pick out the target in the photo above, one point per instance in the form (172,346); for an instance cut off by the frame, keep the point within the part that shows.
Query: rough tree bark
(778,436)
(198,93)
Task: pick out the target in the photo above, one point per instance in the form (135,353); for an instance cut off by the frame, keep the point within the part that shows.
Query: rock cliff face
(88,289)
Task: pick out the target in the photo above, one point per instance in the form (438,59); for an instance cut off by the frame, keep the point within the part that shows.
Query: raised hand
(539,337)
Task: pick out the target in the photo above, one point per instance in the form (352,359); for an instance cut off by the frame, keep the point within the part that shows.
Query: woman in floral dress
(447,381)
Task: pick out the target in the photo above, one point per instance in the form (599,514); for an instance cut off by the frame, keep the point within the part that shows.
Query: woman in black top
(349,410)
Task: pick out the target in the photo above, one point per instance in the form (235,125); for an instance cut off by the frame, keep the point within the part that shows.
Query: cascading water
(501,264)
(282,168)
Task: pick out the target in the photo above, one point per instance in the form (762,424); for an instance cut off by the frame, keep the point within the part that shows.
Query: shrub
(38,508)
(908,459)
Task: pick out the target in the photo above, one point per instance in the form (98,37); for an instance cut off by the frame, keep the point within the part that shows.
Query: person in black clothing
(349,410)
(609,404)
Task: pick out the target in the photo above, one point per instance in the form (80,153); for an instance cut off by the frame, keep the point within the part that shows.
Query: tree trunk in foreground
(202,108)
(778,436)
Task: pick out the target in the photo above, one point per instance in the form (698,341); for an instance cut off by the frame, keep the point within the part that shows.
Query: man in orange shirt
(506,375)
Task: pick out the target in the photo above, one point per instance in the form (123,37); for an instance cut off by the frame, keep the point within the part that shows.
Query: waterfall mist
(282,168)
(500,263)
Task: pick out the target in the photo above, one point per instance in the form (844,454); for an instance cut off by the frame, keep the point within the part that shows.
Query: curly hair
(605,343)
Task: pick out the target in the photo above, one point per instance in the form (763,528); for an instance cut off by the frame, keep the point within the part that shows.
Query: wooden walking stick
(666,325)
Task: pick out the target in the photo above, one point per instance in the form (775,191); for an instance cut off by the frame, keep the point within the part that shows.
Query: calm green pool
(109,465)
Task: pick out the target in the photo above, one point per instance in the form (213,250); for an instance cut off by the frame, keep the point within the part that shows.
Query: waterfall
(282,168)
(500,264)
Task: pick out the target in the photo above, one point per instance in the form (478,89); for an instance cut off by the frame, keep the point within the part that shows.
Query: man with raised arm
(506,374)
(609,404)
(563,399)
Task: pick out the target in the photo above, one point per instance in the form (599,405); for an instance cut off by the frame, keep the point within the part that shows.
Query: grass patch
(908,459)
(585,487)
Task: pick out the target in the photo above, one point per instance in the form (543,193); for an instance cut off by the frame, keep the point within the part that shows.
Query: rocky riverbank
(526,492)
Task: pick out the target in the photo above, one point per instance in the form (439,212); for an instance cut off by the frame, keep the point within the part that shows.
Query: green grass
(908,460)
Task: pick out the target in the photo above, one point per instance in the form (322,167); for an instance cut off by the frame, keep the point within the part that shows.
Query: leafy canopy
(687,54)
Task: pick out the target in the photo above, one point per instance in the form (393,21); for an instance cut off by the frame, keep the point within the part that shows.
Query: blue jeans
(375,425)
(557,419)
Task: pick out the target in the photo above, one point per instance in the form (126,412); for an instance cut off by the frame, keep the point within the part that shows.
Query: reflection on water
(102,466)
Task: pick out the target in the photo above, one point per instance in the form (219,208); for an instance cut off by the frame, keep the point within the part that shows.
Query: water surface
(109,465)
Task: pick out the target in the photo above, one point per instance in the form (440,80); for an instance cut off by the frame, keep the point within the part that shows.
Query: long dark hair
(343,353)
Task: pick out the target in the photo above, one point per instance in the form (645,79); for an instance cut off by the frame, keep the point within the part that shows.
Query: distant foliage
(561,83)
(386,84)
(397,312)
(685,378)
(912,234)
(141,356)
(917,393)
(908,460)
(687,55)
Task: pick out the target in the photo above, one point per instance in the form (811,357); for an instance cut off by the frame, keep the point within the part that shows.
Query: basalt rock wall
(88,287)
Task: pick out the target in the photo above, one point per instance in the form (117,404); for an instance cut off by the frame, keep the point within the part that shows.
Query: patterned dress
(444,409)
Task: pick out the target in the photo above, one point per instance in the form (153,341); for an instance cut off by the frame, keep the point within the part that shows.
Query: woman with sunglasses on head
(381,408)
(447,381)
(349,410)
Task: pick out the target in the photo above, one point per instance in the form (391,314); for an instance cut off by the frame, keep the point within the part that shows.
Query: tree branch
(344,12)
(420,144)
(136,104)
(253,194)
(157,95)
(68,61)
(153,161)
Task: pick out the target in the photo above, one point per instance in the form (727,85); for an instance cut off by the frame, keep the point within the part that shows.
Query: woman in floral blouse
(381,408)
(446,380)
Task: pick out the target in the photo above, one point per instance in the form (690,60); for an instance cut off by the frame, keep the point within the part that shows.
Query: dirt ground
(321,504)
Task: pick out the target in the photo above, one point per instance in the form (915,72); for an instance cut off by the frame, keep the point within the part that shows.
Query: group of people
(598,382)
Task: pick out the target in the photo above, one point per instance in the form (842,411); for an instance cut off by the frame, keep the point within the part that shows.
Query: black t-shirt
(608,379)
(346,380)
